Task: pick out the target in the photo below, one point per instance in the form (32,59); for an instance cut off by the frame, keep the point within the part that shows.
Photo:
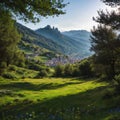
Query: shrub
(68,70)
(117,82)
(41,74)
(12,68)
(59,70)
(85,69)
(117,79)
(35,67)
(3,67)
(115,117)
(9,75)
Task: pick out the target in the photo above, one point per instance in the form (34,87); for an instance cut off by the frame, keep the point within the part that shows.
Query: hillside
(67,43)
(83,39)
(33,42)
(74,44)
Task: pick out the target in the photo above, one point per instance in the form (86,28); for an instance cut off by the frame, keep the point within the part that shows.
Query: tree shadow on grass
(35,87)
(89,102)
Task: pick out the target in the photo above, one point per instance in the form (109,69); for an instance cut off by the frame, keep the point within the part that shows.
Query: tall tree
(110,18)
(106,45)
(105,40)
(9,38)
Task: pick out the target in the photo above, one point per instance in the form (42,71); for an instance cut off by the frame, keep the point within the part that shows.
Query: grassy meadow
(57,99)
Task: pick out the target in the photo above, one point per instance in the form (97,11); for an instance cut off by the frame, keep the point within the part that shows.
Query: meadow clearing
(56,99)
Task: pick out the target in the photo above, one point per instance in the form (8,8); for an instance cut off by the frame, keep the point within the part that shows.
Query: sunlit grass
(56,94)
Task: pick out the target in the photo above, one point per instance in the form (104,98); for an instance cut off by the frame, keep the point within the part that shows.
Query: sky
(78,16)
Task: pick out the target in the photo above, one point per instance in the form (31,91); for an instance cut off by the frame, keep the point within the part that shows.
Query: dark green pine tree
(106,45)
(105,40)
(9,37)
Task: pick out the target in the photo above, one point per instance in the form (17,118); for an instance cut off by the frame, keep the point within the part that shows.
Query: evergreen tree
(9,38)
(106,45)
(105,40)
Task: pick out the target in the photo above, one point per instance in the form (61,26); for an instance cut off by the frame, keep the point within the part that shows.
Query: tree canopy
(32,10)
(112,2)
(9,37)
(105,40)
(106,45)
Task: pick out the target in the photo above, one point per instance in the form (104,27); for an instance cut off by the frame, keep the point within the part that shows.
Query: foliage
(9,38)
(106,41)
(32,10)
(85,68)
(68,70)
(117,79)
(117,83)
(59,69)
(42,74)
(106,46)
(9,75)
(109,18)
(112,2)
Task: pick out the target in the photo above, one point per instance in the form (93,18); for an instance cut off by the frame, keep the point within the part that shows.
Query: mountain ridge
(72,43)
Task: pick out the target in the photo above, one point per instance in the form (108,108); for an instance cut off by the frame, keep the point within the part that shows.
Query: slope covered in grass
(68,99)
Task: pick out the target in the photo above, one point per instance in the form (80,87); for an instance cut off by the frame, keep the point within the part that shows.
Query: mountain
(36,46)
(30,37)
(83,38)
(75,43)
(67,43)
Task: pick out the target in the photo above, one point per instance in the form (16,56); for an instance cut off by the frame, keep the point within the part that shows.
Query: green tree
(105,39)
(85,68)
(9,38)
(59,71)
(110,18)
(106,45)
(68,70)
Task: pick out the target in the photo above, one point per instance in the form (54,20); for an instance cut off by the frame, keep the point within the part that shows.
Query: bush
(59,70)
(34,66)
(68,70)
(117,82)
(115,117)
(117,79)
(9,75)
(85,69)
(41,74)
(3,67)
(12,68)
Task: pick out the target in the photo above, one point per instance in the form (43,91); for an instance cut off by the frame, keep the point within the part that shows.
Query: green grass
(41,58)
(83,99)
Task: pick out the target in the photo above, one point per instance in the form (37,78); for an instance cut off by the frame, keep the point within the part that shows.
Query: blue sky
(78,16)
